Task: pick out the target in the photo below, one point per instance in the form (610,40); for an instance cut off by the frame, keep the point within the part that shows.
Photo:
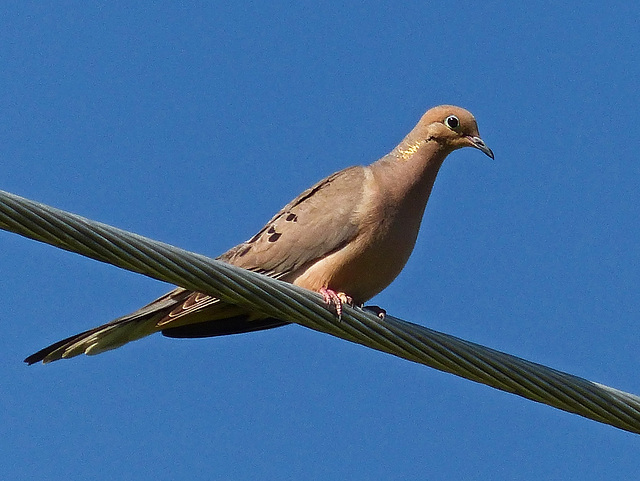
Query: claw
(378,311)
(336,299)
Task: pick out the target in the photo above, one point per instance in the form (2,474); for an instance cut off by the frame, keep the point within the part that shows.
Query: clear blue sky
(194,124)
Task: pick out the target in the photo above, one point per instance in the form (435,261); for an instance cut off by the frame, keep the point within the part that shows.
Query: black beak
(479,144)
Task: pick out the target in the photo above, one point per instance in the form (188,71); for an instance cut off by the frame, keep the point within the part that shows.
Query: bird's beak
(479,144)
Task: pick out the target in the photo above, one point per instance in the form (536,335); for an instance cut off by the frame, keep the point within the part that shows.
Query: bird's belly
(362,268)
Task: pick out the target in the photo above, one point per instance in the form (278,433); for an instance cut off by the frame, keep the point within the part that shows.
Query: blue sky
(193,124)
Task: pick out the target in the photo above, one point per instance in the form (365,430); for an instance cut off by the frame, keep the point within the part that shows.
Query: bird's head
(453,128)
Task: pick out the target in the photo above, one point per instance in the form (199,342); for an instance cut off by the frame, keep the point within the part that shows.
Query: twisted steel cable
(284,301)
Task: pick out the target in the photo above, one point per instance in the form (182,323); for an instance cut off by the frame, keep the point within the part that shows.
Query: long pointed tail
(179,313)
(97,340)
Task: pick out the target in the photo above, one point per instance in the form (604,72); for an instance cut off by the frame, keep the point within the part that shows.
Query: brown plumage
(346,237)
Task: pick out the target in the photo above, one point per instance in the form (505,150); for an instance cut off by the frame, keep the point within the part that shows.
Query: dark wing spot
(274,237)
(292,217)
(272,230)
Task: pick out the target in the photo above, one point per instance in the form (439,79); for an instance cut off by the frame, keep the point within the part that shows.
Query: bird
(347,238)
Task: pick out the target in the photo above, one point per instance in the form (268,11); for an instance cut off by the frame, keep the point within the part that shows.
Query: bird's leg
(336,299)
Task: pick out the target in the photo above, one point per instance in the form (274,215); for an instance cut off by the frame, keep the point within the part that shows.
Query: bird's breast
(374,258)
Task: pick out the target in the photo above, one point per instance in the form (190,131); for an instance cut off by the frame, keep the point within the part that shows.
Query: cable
(285,301)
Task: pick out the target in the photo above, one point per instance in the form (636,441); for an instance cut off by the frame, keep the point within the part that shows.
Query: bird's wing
(316,223)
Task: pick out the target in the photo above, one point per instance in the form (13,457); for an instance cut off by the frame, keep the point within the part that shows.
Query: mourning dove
(347,238)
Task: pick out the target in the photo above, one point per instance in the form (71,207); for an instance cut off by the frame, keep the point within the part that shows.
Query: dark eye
(452,122)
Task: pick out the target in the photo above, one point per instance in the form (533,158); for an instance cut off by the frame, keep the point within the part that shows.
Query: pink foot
(336,299)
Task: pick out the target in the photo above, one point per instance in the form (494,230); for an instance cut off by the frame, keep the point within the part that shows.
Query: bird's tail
(99,339)
(179,313)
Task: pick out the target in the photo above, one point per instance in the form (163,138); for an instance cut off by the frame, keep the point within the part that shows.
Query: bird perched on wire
(347,237)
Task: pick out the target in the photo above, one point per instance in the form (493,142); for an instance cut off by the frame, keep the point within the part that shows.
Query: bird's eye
(452,122)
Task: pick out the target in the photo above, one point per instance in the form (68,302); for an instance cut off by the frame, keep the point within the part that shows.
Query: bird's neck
(409,171)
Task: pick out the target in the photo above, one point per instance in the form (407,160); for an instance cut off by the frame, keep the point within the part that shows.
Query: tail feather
(180,313)
(115,333)
(96,340)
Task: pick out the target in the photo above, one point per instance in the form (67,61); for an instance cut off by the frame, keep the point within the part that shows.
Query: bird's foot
(335,299)
(378,311)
